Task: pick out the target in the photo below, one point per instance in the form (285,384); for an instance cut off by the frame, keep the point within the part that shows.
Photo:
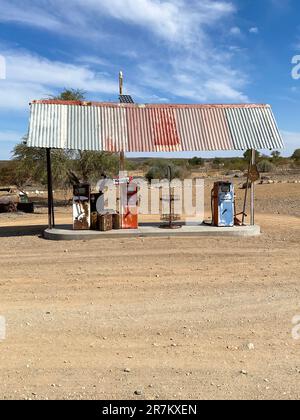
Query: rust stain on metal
(147,106)
(165,130)
(152,128)
(110,145)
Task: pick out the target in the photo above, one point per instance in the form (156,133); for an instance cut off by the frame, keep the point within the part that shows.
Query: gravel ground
(176,318)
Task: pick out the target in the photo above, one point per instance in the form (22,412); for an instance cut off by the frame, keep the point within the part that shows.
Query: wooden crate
(105,222)
(94,221)
(117,221)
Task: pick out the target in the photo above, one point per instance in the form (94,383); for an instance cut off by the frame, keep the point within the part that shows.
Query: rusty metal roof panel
(203,129)
(254,128)
(152,128)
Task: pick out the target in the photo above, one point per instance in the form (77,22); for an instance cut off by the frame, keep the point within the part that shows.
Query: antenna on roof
(121,79)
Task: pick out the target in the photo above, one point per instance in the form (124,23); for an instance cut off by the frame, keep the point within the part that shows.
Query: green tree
(196,162)
(89,166)
(296,155)
(31,162)
(276,157)
(70,95)
(31,166)
(248,155)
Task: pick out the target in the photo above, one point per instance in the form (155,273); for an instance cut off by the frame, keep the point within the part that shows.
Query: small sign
(254,173)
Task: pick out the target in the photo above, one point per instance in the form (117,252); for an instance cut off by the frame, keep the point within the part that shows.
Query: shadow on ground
(14,231)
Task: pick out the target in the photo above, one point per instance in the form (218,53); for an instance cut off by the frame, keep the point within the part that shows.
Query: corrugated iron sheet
(152,128)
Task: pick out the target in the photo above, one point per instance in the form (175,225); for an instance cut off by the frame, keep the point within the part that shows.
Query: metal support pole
(122,154)
(122,161)
(253,162)
(53,213)
(50,191)
(121,81)
(246,192)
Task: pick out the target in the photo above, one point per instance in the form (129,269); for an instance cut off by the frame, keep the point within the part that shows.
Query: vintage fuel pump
(81,207)
(128,203)
(223,204)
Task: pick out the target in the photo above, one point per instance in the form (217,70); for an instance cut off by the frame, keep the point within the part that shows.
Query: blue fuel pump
(223,204)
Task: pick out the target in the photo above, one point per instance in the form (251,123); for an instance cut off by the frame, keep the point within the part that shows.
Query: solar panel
(126,99)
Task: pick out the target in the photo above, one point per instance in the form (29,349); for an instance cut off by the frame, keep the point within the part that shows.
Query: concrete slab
(65,233)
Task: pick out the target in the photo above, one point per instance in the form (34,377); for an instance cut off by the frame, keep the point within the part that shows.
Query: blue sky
(183,51)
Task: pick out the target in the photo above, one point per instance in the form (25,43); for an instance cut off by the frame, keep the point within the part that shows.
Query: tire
(11,208)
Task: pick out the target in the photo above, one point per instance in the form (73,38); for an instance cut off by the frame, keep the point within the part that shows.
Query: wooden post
(253,162)
(50,191)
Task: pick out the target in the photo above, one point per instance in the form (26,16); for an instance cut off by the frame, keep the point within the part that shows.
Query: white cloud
(210,79)
(254,30)
(25,67)
(235,31)
(34,77)
(16,96)
(173,20)
(223,90)
(28,14)
(176,21)
(183,60)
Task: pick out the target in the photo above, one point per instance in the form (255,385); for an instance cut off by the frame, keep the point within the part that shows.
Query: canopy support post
(51,220)
(122,161)
(253,162)
(122,154)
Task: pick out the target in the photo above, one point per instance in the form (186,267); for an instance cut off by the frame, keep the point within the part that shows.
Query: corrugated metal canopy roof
(151,128)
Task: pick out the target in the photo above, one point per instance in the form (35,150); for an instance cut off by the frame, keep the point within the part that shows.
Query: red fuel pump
(128,203)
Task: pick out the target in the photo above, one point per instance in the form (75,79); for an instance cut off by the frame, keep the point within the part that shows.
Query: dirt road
(172,318)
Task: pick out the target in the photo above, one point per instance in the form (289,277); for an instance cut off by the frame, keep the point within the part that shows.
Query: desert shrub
(235,164)
(295,164)
(266,166)
(159,170)
(130,165)
(218,163)
(8,174)
(196,162)
(296,155)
